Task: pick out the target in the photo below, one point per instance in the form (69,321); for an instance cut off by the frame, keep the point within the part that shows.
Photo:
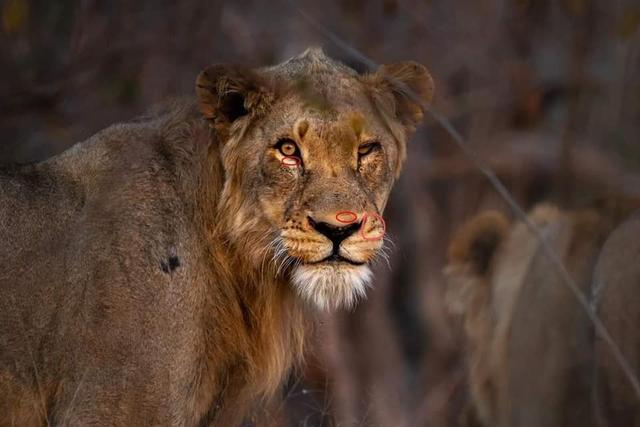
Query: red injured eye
(290,152)
(290,161)
(368,148)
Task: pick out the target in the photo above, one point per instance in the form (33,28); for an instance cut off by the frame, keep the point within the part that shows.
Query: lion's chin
(331,285)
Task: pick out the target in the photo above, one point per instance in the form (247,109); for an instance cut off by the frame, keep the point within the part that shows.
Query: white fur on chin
(331,286)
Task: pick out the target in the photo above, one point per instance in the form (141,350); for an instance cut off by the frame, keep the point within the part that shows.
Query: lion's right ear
(410,88)
(477,241)
(227,93)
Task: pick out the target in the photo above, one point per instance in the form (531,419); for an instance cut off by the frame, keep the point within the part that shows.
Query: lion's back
(88,239)
(49,209)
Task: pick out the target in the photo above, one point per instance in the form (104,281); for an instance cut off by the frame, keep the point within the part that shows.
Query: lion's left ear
(227,93)
(405,88)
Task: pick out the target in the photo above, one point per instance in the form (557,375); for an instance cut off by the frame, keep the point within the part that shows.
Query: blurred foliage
(15,14)
(630,23)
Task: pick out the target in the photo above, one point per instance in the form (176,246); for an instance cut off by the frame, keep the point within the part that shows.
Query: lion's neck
(258,337)
(254,325)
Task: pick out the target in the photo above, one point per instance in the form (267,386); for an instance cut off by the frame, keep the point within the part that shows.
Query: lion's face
(324,182)
(315,165)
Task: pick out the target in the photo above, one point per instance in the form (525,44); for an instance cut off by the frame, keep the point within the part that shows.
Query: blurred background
(547,92)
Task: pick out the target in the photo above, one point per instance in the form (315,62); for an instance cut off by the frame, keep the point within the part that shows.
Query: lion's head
(311,151)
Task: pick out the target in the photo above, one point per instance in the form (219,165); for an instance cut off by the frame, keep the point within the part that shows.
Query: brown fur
(139,284)
(468,295)
(529,342)
(617,299)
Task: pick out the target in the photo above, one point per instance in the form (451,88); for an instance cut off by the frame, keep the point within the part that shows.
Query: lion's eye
(367,148)
(288,148)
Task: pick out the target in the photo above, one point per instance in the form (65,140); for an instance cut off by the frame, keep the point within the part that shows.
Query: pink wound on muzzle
(378,234)
(346,217)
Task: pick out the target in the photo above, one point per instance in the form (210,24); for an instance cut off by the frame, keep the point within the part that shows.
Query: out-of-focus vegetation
(547,92)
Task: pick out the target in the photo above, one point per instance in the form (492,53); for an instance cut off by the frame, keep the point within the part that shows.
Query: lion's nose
(335,233)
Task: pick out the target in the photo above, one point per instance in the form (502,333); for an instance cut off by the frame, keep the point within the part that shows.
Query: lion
(617,303)
(165,271)
(531,352)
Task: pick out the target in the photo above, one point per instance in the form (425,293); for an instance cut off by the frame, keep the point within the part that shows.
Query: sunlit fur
(328,112)
(262,209)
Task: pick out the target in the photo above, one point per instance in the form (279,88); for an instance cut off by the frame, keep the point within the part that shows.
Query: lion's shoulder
(125,183)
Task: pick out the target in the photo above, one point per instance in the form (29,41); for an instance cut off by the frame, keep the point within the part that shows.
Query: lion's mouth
(337,258)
